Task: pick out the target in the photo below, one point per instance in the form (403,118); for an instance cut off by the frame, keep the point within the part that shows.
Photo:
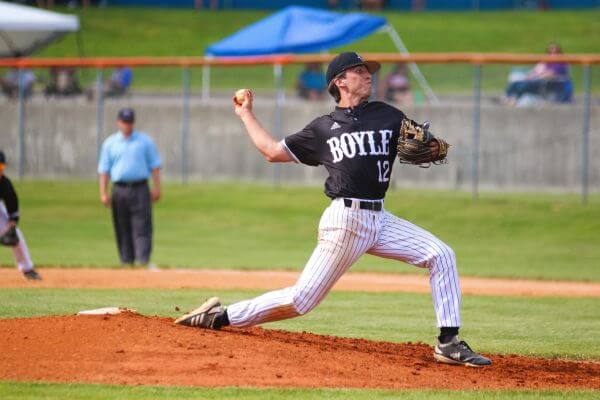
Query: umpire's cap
(347,60)
(126,115)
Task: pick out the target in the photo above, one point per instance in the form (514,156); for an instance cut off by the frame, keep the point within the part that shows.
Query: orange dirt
(230,279)
(137,350)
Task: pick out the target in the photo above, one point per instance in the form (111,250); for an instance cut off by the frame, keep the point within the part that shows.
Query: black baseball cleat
(208,315)
(32,275)
(458,352)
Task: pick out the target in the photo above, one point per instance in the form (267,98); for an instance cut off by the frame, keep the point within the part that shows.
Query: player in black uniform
(9,218)
(356,143)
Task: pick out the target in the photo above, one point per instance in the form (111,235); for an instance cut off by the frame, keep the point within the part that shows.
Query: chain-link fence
(506,135)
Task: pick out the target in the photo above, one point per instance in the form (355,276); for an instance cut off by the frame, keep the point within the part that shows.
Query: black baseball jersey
(356,145)
(9,197)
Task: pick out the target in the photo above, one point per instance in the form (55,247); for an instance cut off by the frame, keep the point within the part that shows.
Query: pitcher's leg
(338,248)
(404,241)
(326,265)
(271,306)
(445,286)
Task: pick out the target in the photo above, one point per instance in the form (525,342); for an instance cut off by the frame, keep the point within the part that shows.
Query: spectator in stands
(62,82)
(70,3)
(117,85)
(396,86)
(418,5)
(549,81)
(199,4)
(45,4)
(10,82)
(119,81)
(371,5)
(311,83)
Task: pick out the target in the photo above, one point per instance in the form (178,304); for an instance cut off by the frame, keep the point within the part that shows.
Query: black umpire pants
(132,220)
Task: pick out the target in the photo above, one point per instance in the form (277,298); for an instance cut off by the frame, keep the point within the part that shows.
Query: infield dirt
(98,278)
(132,349)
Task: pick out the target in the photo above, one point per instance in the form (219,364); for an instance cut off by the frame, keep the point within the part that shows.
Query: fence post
(279,99)
(185,123)
(205,82)
(374,84)
(585,142)
(21,90)
(476,130)
(99,110)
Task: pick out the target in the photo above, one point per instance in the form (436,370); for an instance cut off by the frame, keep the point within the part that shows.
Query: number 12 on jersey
(384,170)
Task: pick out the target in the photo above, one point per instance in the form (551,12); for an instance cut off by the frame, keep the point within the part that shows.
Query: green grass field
(542,236)
(169,32)
(26,391)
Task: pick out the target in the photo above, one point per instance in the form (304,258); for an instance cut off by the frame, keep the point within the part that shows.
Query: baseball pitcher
(357,143)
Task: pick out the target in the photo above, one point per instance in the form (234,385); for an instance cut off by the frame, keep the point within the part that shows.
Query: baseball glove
(414,145)
(9,237)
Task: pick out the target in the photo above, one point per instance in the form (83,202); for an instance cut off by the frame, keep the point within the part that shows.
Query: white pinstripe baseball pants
(346,233)
(20,251)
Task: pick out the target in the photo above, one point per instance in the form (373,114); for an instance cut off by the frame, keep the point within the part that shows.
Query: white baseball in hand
(240,96)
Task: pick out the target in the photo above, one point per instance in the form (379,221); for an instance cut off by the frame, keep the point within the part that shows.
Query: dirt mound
(137,350)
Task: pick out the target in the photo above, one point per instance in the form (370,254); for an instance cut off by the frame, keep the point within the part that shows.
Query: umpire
(129,158)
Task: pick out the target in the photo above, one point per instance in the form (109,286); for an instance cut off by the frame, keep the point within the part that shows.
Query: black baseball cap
(2,158)
(347,60)
(126,115)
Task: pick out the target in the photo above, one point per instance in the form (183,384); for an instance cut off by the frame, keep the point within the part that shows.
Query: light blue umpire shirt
(128,159)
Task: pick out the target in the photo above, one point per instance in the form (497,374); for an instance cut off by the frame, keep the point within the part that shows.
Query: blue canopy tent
(297,30)
(306,30)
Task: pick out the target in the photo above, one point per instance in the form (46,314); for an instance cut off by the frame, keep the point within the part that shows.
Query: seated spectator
(45,4)
(396,86)
(62,82)
(199,4)
(119,81)
(311,83)
(10,83)
(371,5)
(549,81)
(117,85)
(69,3)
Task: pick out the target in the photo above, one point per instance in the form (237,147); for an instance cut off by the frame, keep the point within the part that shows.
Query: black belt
(131,183)
(365,205)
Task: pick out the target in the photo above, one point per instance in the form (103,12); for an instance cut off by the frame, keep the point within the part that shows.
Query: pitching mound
(136,350)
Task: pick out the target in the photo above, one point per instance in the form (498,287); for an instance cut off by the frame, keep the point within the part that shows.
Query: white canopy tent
(24,30)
